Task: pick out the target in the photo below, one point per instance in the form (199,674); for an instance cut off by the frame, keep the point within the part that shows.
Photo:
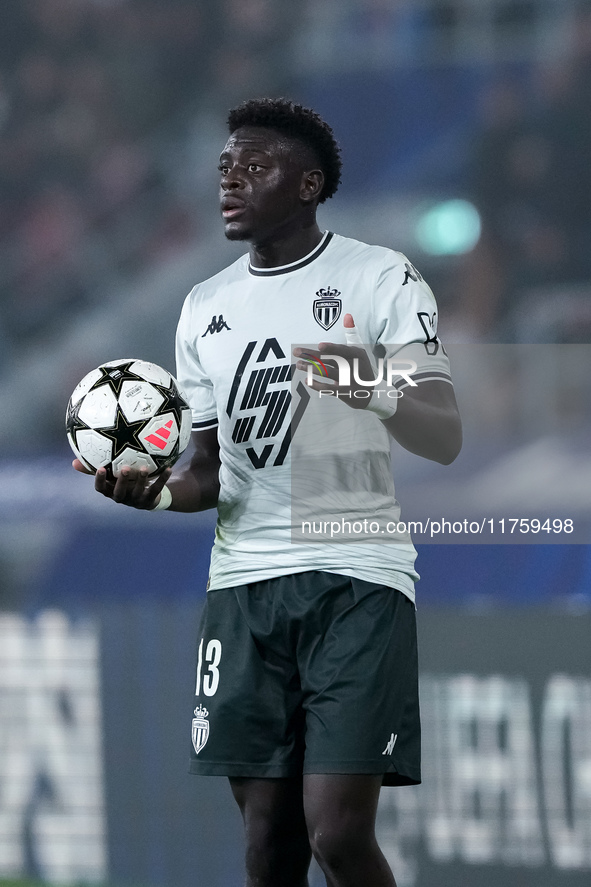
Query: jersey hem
(201,424)
(398,581)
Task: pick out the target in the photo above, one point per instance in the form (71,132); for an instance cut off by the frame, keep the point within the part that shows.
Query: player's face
(261,184)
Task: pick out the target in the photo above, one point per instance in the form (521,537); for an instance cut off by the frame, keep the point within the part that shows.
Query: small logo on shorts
(390,746)
(200,729)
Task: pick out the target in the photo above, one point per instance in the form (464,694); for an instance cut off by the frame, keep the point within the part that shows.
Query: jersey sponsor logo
(327,307)
(216,326)
(260,400)
(391,743)
(199,729)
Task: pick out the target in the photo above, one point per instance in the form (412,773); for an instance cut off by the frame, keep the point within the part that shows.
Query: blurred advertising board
(96,685)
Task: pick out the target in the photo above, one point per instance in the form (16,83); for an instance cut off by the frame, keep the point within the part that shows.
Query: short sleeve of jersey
(406,315)
(195,384)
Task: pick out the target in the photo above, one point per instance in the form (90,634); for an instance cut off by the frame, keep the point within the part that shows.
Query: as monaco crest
(327,308)
(200,729)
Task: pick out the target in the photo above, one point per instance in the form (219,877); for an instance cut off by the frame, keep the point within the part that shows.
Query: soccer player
(306,686)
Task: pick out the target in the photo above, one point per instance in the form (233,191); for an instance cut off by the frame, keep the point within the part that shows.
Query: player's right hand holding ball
(133,487)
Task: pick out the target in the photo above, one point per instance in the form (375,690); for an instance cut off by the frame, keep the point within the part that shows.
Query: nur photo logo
(388,374)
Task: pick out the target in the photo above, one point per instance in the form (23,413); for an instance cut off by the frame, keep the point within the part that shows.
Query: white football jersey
(234,362)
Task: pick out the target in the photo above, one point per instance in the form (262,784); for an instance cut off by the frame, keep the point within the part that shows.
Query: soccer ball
(128,413)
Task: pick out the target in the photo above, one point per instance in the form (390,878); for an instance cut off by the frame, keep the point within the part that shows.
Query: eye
(224,169)
(254,167)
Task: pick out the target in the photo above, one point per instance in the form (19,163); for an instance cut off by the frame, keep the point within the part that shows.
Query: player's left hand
(326,371)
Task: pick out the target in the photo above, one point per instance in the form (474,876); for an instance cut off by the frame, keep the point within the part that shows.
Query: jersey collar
(293,266)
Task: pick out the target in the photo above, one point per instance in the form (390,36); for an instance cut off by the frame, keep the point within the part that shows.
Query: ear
(311,185)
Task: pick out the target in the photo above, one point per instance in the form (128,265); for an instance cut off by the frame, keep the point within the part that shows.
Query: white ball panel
(72,444)
(77,453)
(160,435)
(185,433)
(84,386)
(116,363)
(139,400)
(94,448)
(133,459)
(99,408)
(152,372)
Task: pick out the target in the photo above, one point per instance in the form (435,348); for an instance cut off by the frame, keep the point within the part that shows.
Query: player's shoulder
(226,277)
(371,253)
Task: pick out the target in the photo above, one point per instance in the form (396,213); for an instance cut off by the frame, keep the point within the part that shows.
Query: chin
(236,233)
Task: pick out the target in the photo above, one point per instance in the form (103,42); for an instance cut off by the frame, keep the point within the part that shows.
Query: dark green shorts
(311,672)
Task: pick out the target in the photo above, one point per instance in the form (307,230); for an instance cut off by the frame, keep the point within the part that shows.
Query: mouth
(231,209)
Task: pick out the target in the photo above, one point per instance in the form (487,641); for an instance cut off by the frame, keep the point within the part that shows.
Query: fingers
(325,349)
(322,370)
(79,466)
(306,352)
(150,494)
(102,483)
(350,350)
(321,385)
(340,368)
(315,367)
(352,336)
(132,487)
(129,487)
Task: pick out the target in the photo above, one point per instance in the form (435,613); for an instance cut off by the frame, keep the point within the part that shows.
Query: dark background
(111,119)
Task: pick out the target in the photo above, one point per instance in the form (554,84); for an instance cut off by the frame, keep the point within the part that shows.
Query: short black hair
(297,122)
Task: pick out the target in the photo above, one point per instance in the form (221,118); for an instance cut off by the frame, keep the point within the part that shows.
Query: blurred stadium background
(466,134)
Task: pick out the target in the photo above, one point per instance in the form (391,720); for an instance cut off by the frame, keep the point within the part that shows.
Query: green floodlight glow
(449,228)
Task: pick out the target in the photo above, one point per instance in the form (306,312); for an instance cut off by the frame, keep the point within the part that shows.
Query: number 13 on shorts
(208,673)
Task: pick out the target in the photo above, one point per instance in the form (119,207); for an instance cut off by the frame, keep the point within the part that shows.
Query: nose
(231,180)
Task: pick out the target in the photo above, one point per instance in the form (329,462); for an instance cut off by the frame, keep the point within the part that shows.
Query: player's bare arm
(194,486)
(427,422)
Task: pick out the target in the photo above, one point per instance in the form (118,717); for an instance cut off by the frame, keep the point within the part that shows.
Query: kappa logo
(160,437)
(200,729)
(216,325)
(391,743)
(327,307)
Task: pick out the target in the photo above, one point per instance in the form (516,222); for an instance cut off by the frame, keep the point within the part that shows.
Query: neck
(284,251)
